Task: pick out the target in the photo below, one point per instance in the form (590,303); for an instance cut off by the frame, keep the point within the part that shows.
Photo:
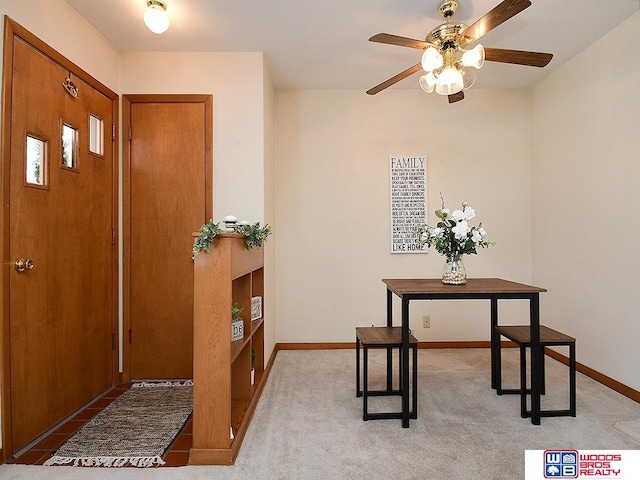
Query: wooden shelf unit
(223,396)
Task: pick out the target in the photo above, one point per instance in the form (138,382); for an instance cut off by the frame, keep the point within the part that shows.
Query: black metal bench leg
(523,381)
(365,383)
(389,369)
(358,391)
(498,366)
(414,411)
(400,367)
(544,375)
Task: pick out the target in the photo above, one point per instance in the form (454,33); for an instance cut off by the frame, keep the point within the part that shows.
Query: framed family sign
(408,196)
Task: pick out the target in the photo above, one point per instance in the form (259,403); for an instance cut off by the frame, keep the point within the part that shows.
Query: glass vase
(454,272)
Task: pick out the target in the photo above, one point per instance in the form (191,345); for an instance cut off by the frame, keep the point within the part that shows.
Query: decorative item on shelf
(237,325)
(230,223)
(255,235)
(454,237)
(256,308)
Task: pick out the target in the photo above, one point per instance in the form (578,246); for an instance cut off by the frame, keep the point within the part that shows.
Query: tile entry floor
(177,454)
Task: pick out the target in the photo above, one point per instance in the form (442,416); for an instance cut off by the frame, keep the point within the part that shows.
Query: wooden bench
(385,338)
(520,335)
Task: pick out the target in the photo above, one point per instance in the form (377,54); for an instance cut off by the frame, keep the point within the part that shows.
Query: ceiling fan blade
(395,79)
(518,57)
(400,41)
(456,97)
(500,14)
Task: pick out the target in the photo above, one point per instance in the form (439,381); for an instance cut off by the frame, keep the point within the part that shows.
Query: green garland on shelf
(255,235)
(208,232)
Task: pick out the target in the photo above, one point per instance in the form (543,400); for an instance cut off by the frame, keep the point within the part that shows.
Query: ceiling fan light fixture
(468,78)
(156,18)
(449,81)
(473,57)
(444,57)
(428,82)
(431,59)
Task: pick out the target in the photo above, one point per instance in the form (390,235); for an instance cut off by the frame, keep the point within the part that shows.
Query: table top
(473,286)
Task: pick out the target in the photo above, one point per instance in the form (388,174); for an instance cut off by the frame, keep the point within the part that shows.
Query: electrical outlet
(426,321)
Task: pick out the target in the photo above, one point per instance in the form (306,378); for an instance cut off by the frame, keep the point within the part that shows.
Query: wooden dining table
(492,289)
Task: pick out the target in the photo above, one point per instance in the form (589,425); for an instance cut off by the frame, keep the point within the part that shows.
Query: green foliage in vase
(255,235)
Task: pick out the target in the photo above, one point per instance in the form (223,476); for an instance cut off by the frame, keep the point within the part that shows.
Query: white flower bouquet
(453,236)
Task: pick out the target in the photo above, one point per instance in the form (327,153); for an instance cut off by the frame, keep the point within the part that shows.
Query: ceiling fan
(449,68)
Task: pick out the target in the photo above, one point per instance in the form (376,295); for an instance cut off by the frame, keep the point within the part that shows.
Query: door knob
(22,265)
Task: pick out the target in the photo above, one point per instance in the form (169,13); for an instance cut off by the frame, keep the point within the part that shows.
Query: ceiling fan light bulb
(474,57)
(449,81)
(431,59)
(156,18)
(427,82)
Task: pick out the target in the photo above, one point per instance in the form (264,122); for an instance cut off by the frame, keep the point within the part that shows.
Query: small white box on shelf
(237,330)
(256,308)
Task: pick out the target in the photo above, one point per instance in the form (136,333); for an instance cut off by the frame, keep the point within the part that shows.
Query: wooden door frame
(12,29)
(127,100)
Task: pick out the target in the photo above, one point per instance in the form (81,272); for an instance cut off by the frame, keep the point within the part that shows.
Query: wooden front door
(61,224)
(168,188)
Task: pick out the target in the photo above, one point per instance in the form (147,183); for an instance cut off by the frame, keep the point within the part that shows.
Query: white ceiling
(324,43)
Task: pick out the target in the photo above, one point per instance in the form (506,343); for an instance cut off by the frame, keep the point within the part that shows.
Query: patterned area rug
(134,430)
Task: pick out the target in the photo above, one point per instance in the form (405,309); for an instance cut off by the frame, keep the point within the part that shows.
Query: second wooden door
(167,198)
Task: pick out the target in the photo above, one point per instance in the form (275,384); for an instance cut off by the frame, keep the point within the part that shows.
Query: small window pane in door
(36,161)
(96,135)
(69,146)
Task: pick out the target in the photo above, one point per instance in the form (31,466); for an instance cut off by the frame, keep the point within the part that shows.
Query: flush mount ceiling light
(448,62)
(156,17)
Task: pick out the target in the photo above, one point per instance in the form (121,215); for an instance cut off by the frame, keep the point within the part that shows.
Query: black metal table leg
(537,357)
(405,362)
(495,344)
(389,350)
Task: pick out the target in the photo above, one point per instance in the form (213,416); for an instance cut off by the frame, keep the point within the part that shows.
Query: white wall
(586,171)
(269,216)
(332,205)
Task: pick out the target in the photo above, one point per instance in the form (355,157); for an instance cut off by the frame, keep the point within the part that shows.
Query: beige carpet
(308,425)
